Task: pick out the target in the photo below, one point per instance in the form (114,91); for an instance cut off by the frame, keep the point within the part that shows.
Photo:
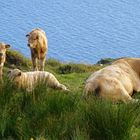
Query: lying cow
(29,80)
(117,81)
(3,48)
(38,44)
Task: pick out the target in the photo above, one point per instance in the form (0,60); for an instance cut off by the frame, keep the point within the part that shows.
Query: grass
(107,121)
(47,114)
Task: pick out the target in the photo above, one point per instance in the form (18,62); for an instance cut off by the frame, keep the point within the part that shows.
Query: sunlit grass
(48,114)
(53,114)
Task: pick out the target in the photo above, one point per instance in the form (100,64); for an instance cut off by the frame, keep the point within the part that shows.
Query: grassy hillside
(47,114)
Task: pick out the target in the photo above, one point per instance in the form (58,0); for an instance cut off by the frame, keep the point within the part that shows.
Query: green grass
(57,115)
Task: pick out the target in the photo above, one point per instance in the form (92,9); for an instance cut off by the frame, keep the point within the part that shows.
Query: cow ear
(27,35)
(7,46)
(19,74)
(9,71)
(37,37)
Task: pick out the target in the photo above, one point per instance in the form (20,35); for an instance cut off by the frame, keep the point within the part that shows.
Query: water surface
(81,31)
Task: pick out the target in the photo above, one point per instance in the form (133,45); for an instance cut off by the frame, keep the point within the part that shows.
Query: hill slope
(47,114)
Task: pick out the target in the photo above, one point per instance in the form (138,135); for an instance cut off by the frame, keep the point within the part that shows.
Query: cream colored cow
(29,80)
(117,81)
(38,44)
(3,48)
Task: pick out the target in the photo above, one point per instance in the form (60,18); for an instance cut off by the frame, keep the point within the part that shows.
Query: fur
(3,48)
(29,80)
(38,44)
(117,81)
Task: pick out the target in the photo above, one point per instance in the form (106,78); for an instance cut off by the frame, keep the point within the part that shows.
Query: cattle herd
(117,81)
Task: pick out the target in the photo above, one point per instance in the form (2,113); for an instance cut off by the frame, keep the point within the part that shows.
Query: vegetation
(47,114)
(106,61)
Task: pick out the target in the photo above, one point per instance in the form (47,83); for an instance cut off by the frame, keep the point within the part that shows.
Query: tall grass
(51,114)
(104,120)
(56,115)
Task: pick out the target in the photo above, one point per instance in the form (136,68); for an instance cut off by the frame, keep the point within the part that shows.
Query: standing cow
(38,44)
(3,48)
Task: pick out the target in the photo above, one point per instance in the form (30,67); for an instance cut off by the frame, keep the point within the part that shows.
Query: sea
(78,31)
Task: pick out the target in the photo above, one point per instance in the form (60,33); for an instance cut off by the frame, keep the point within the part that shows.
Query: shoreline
(101,61)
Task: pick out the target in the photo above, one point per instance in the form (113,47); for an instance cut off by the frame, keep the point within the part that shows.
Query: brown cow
(38,44)
(3,48)
(117,81)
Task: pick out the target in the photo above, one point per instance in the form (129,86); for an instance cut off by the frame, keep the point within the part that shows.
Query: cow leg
(137,88)
(115,90)
(42,64)
(54,83)
(1,74)
(34,63)
(125,97)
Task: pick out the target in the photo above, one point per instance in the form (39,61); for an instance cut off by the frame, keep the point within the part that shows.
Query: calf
(3,48)
(38,44)
(29,80)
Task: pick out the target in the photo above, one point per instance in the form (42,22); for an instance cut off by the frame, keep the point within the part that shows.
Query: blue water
(82,31)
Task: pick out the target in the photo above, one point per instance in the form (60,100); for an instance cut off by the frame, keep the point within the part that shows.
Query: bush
(106,61)
(15,59)
(77,68)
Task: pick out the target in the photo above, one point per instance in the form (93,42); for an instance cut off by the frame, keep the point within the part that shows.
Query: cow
(3,49)
(38,44)
(30,80)
(117,81)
